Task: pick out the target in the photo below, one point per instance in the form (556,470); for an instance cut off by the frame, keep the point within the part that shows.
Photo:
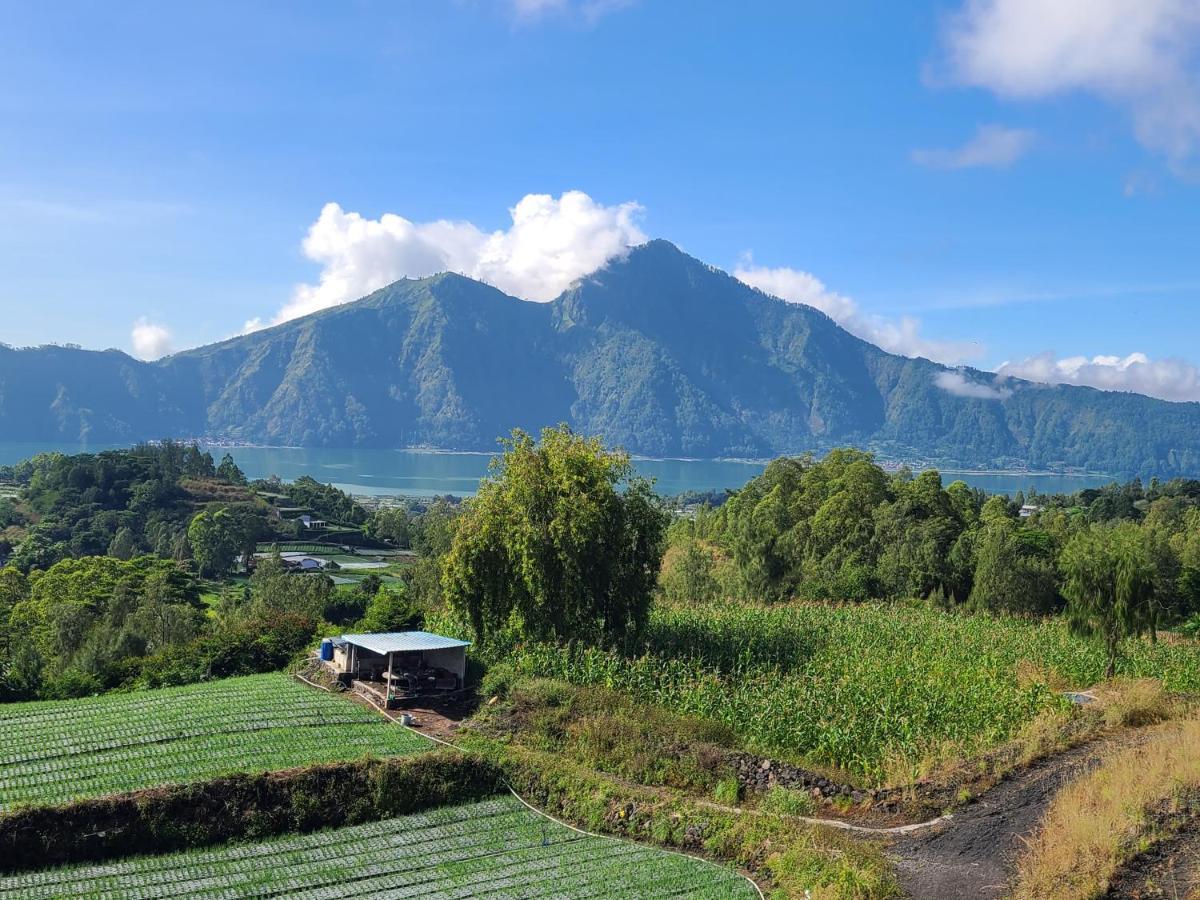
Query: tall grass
(1099,821)
(852,686)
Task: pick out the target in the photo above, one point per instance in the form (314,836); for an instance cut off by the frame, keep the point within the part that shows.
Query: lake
(423,473)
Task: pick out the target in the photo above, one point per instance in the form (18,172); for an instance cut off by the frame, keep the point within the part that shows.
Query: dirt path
(973,854)
(1170,869)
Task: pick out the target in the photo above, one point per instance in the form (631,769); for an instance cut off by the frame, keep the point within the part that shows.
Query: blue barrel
(327,649)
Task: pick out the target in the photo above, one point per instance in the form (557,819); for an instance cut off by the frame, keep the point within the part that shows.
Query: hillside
(657,352)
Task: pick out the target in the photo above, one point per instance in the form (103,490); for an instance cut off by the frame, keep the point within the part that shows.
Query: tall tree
(1108,580)
(562,541)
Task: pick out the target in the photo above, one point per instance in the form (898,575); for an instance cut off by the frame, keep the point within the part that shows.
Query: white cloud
(1168,379)
(550,243)
(1138,54)
(959,385)
(149,341)
(992,146)
(902,337)
(589,10)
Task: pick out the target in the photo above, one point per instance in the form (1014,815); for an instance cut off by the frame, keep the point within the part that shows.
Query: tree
(553,545)
(689,573)
(390,611)
(216,538)
(228,471)
(123,545)
(1011,573)
(1108,580)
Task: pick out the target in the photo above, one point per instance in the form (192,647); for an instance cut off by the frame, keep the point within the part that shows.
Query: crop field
(59,751)
(858,685)
(496,848)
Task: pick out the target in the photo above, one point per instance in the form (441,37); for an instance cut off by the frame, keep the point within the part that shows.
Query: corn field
(55,752)
(852,686)
(496,848)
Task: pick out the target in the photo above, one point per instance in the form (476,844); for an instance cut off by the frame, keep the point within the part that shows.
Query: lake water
(424,474)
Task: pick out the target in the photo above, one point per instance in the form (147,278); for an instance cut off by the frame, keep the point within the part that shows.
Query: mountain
(656,351)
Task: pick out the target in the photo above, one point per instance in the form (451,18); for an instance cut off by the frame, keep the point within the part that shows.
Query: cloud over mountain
(150,341)
(1167,379)
(903,337)
(550,243)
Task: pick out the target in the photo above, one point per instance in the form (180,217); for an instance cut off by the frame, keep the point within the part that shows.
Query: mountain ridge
(655,351)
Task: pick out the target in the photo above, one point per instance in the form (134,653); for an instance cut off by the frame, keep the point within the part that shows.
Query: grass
(58,751)
(793,861)
(497,847)
(854,687)
(1111,814)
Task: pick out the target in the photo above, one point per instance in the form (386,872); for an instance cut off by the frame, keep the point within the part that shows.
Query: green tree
(228,471)
(390,610)
(689,574)
(1010,574)
(216,538)
(553,545)
(1108,580)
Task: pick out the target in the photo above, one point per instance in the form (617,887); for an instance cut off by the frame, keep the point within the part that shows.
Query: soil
(439,718)
(974,854)
(1170,869)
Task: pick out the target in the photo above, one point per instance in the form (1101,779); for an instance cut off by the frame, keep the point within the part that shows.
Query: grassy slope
(62,750)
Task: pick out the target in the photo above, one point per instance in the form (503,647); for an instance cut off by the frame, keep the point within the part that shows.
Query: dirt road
(974,854)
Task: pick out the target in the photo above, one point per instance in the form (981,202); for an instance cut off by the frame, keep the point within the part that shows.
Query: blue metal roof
(403,641)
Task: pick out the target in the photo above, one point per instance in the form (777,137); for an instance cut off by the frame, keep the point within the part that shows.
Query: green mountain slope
(656,351)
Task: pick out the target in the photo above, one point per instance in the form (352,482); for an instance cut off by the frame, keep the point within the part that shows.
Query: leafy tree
(390,610)
(554,546)
(1010,574)
(228,471)
(689,574)
(274,590)
(1109,586)
(216,538)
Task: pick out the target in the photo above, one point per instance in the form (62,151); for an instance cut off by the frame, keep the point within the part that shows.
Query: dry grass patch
(1135,702)
(1106,817)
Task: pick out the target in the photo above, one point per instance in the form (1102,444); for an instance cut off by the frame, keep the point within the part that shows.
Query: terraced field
(495,848)
(54,752)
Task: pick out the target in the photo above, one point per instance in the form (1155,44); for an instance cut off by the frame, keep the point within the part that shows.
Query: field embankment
(237,807)
(58,751)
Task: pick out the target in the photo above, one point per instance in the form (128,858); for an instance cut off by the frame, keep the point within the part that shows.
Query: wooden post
(387,689)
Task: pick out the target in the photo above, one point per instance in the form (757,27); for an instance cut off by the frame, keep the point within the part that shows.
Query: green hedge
(240,807)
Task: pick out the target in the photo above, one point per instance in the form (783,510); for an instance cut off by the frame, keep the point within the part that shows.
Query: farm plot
(496,848)
(62,750)
(867,688)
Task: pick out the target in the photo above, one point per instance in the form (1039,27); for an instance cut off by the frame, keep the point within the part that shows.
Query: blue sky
(1023,188)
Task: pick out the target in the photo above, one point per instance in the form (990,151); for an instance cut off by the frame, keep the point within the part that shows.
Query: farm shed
(401,665)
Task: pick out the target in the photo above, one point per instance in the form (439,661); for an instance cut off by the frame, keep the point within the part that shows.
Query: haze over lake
(427,473)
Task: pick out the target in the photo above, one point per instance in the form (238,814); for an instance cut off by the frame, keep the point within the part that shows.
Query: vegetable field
(496,848)
(54,752)
(858,685)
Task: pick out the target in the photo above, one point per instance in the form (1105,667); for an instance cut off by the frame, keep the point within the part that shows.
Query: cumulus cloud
(550,243)
(902,337)
(1168,379)
(993,146)
(959,385)
(149,341)
(1138,54)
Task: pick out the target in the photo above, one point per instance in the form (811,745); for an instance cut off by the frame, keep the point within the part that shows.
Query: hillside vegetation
(656,351)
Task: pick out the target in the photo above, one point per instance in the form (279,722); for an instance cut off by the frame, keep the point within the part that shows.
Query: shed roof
(403,641)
